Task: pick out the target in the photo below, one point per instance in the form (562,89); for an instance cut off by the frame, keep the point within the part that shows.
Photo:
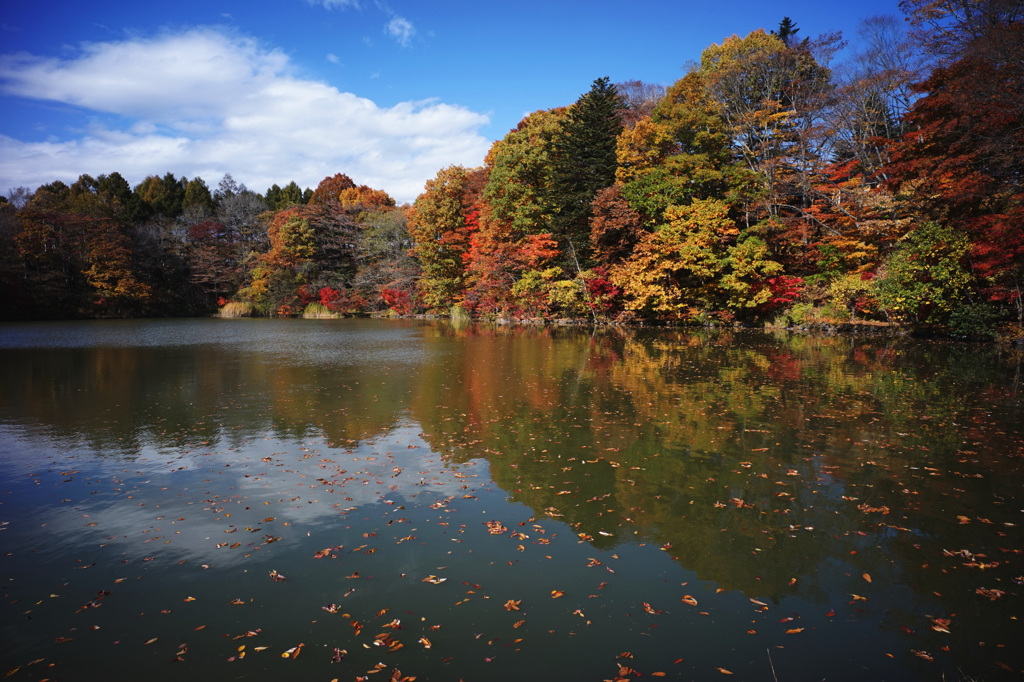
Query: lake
(394,499)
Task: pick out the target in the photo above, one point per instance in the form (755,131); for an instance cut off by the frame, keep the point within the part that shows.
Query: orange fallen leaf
(687,599)
(867,576)
(518,623)
(759,603)
(152,640)
(658,674)
(794,631)
(724,671)
(555,594)
(199,628)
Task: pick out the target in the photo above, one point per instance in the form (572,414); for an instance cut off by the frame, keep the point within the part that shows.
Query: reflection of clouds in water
(212,493)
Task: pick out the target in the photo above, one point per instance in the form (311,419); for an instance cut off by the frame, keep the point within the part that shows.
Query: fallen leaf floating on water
(867,576)
(857,597)
(922,654)
(512,604)
(518,623)
(276,577)
(991,594)
(425,642)
(237,602)
(433,579)
(248,633)
(338,655)
(759,603)
(794,631)
(293,652)
(152,640)
(495,527)
(687,599)
(555,594)
(941,625)
(724,671)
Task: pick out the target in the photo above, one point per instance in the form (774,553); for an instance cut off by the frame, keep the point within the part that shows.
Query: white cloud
(335,4)
(401,29)
(333,58)
(205,102)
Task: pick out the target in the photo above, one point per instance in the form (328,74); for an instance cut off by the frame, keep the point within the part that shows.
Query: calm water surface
(497,504)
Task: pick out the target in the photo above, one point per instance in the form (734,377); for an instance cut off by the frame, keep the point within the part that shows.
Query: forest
(771,184)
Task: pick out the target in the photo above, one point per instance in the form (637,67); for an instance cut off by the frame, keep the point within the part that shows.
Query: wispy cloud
(401,29)
(335,4)
(207,101)
(333,58)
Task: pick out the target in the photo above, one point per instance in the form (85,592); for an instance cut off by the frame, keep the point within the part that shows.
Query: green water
(830,508)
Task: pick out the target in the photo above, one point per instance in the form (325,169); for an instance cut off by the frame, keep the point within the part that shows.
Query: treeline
(170,247)
(766,185)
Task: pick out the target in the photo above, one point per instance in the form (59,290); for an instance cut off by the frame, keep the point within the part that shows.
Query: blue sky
(274,91)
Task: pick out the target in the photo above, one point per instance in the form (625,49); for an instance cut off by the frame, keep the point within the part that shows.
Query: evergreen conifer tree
(583,163)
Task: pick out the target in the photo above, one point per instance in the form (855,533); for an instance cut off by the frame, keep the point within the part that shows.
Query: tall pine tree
(583,163)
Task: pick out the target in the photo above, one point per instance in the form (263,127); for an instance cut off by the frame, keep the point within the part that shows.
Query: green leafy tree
(441,232)
(927,277)
(197,195)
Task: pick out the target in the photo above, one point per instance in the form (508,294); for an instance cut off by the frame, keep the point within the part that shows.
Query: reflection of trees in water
(120,400)
(765,464)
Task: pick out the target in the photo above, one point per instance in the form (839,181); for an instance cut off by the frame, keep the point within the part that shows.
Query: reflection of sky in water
(181,506)
(307,342)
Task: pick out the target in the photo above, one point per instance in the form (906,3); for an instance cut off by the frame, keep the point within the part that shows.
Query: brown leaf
(867,576)
(555,594)
(724,671)
(794,631)
(687,599)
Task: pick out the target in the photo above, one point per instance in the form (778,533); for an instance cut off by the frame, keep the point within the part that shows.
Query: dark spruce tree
(787,31)
(583,162)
